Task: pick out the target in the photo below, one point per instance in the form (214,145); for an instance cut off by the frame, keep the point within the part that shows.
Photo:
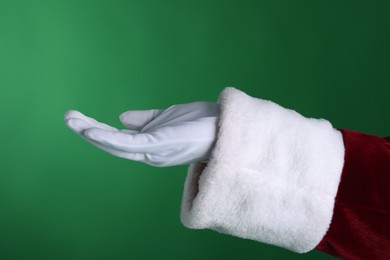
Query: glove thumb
(136,119)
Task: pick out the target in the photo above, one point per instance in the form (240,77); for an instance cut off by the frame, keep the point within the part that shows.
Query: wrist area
(272,175)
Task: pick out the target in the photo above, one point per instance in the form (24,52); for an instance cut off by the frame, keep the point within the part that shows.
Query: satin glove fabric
(180,134)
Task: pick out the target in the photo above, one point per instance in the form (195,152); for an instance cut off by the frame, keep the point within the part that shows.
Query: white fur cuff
(272,176)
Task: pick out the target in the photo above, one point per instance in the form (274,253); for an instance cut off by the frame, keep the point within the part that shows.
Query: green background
(61,198)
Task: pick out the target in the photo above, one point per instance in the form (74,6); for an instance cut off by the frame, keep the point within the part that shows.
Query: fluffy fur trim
(272,176)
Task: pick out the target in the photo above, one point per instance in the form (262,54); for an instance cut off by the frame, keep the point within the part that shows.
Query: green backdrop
(61,198)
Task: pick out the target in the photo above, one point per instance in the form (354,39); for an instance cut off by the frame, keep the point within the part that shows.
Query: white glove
(180,134)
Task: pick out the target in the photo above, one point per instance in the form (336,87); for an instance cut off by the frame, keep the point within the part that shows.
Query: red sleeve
(360,227)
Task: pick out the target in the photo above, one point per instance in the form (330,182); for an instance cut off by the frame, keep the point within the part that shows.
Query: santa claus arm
(274,177)
(360,227)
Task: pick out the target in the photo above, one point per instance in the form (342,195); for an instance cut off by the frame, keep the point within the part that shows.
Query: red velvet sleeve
(360,227)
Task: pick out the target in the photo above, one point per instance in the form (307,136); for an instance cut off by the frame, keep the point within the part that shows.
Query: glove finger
(136,119)
(139,157)
(133,143)
(79,126)
(73,114)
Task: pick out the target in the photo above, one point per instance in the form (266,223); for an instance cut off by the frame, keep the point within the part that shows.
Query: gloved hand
(180,134)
